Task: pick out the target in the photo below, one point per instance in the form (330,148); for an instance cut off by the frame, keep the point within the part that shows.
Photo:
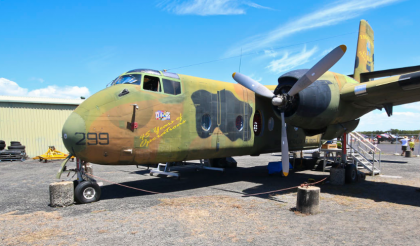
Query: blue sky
(74,48)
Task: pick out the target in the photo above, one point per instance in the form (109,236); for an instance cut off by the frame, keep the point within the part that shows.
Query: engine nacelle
(313,108)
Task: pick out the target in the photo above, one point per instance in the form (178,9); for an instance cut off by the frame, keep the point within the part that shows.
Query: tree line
(393,131)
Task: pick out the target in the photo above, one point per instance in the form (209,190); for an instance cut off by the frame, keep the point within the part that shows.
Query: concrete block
(61,194)
(337,176)
(308,200)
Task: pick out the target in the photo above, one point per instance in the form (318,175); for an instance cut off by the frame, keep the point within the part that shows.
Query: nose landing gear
(86,189)
(86,192)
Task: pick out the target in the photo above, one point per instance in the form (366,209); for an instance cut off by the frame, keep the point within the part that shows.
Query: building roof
(40,100)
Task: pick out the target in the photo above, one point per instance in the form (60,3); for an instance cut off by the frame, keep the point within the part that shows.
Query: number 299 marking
(93,138)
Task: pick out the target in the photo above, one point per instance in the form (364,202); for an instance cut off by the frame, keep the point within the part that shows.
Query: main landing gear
(86,189)
(351,173)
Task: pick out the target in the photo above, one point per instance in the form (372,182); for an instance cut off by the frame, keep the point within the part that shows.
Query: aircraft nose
(73,133)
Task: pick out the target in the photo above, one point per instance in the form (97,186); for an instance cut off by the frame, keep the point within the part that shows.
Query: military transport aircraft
(148,116)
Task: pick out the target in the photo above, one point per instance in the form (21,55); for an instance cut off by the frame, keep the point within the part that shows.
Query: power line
(253,53)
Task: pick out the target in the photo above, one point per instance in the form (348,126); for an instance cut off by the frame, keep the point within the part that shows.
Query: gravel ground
(208,208)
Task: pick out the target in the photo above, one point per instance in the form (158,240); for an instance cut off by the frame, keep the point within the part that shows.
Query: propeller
(252,85)
(281,100)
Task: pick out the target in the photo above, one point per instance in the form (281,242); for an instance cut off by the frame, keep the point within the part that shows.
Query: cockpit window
(151,83)
(128,79)
(171,87)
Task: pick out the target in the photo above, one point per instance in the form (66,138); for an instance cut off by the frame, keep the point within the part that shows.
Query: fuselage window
(239,123)
(133,79)
(151,83)
(171,87)
(257,123)
(206,122)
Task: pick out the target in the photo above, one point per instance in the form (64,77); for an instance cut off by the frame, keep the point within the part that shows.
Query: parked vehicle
(386,137)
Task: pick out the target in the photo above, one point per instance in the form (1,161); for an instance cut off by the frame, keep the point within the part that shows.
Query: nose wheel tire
(87,192)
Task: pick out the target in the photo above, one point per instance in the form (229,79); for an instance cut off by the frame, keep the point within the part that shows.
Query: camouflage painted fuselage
(169,127)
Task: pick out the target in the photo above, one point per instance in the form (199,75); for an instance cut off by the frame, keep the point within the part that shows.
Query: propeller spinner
(281,100)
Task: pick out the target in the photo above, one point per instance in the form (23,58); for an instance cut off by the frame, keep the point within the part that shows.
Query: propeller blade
(252,85)
(318,69)
(284,147)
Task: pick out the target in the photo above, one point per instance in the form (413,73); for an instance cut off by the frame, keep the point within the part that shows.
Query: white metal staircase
(364,153)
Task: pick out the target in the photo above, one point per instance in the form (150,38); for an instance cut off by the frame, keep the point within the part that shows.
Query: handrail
(366,153)
(356,137)
(364,149)
(362,142)
(360,138)
(358,134)
(373,166)
(372,156)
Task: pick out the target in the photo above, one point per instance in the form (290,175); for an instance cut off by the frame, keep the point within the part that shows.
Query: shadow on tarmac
(400,162)
(192,179)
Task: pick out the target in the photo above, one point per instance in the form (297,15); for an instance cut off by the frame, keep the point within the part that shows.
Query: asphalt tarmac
(208,208)
(388,148)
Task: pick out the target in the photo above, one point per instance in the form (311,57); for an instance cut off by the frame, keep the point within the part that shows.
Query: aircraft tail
(364,53)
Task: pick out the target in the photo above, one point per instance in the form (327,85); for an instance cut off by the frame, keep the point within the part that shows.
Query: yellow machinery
(52,154)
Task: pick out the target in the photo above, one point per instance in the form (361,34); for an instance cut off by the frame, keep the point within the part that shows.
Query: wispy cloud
(11,88)
(290,61)
(257,6)
(325,52)
(326,16)
(40,80)
(252,76)
(270,53)
(208,7)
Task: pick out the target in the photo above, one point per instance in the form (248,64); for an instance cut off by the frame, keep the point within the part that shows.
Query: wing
(384,93)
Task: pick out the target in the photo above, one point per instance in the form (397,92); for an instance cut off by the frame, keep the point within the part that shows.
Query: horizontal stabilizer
(364,77)
(384,93)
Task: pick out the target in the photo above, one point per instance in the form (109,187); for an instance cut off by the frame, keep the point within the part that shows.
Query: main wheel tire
(16,147)
(15,143)
(75,183)
(351,173)
(2,146)
(86,192)
(2,142)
